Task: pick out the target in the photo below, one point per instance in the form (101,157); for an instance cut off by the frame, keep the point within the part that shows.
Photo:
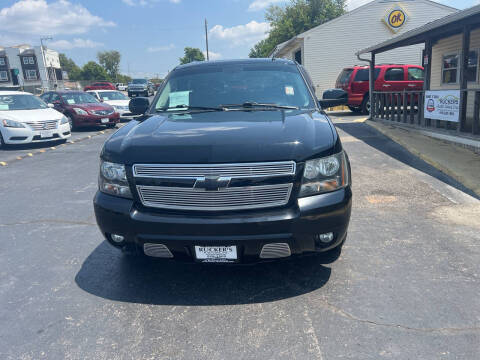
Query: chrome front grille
(231,198)
(43,125)
(102,112)
(241,170)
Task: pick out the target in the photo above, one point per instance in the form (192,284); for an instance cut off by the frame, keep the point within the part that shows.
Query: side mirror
(50,105)
(101,100)
(139,105)
(328,103)
(333,97)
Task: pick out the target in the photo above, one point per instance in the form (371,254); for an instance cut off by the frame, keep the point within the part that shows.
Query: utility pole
(206,38)
(43,58)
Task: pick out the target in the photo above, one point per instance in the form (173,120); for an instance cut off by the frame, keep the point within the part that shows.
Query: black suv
(233,161)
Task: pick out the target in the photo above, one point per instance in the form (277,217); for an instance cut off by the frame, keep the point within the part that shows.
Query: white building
(328,48)
(29,68)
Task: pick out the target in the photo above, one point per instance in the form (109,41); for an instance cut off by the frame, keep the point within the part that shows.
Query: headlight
(80,111)
(63,120)
(325,174)
(113,179)
(12,123)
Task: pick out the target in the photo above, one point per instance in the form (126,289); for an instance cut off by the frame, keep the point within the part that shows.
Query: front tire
(365,108)
(354,109)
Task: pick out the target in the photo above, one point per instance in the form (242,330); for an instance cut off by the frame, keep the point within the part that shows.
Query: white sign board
(442,105)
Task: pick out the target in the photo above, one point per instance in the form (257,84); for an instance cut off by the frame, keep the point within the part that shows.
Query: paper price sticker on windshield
(4,107)
(179,98)
(71,101)
(289,90)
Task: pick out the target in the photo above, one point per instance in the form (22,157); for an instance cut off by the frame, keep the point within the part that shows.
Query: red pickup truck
(388,77)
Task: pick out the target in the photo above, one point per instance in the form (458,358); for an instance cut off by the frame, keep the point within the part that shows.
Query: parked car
(388,77)
(104,85)
(118,100)
(140,87)
(25,118)
(82,109)
(226,166)
(121,87)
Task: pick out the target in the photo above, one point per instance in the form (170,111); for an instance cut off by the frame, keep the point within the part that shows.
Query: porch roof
(444,27)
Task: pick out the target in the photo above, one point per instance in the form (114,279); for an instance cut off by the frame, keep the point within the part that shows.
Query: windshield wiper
(188,107)
(252,104)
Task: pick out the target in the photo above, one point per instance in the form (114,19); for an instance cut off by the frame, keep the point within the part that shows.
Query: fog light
(325,238)
(117,238)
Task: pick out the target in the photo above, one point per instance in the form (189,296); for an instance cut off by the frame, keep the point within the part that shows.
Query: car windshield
(139,81)
(78,98)
(21,102)
(218,85)
(112,95)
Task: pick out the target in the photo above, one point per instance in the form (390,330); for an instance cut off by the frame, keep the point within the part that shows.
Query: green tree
(192,54)
(93,71)
(110,60)
(125,79)
(296,17)
(68,65)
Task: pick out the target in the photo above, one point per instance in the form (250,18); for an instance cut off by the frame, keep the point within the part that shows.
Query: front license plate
(106,120)
(216,253)
(46,134)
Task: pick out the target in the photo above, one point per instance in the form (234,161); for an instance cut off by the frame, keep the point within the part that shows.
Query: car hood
(117,102)
(93,106)
(223,137)
(31,115)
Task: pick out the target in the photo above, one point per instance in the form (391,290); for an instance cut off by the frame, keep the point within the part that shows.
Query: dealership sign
(442,105)
(395,18)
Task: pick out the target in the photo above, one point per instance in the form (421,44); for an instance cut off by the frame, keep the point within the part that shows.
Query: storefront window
(450,69)
(472,70)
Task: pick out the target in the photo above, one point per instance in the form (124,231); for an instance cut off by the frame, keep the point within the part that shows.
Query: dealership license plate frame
(216,254)
(105,120)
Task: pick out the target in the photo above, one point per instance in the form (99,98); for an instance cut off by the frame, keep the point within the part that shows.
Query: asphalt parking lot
(406,285)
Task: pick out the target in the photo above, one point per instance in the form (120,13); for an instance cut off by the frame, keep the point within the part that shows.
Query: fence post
(387,106)
(382,106)
(476,114)
(405,106)
(412,108)
(421,117)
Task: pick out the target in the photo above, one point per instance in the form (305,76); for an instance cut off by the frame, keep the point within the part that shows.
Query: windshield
(78,98)
(139,81)
(21,102)
(215,85)
(112,95)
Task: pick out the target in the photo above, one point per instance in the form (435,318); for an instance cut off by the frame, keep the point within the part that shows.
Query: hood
(31,115)
(93,106)
(223,137)
(117,102)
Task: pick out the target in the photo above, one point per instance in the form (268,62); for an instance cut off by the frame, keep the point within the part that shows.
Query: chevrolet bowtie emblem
(212,183)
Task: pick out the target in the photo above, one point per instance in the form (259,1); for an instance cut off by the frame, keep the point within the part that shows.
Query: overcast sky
(150,34)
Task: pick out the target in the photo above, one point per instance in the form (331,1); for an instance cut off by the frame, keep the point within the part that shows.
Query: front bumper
(27,135)
(296,225)
(137,92)
(95,120)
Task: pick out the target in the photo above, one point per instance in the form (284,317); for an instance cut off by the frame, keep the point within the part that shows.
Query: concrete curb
(385,130)
(6,162)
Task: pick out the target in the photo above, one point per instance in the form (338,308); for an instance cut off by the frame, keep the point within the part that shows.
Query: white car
(25,118)
(118,100)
